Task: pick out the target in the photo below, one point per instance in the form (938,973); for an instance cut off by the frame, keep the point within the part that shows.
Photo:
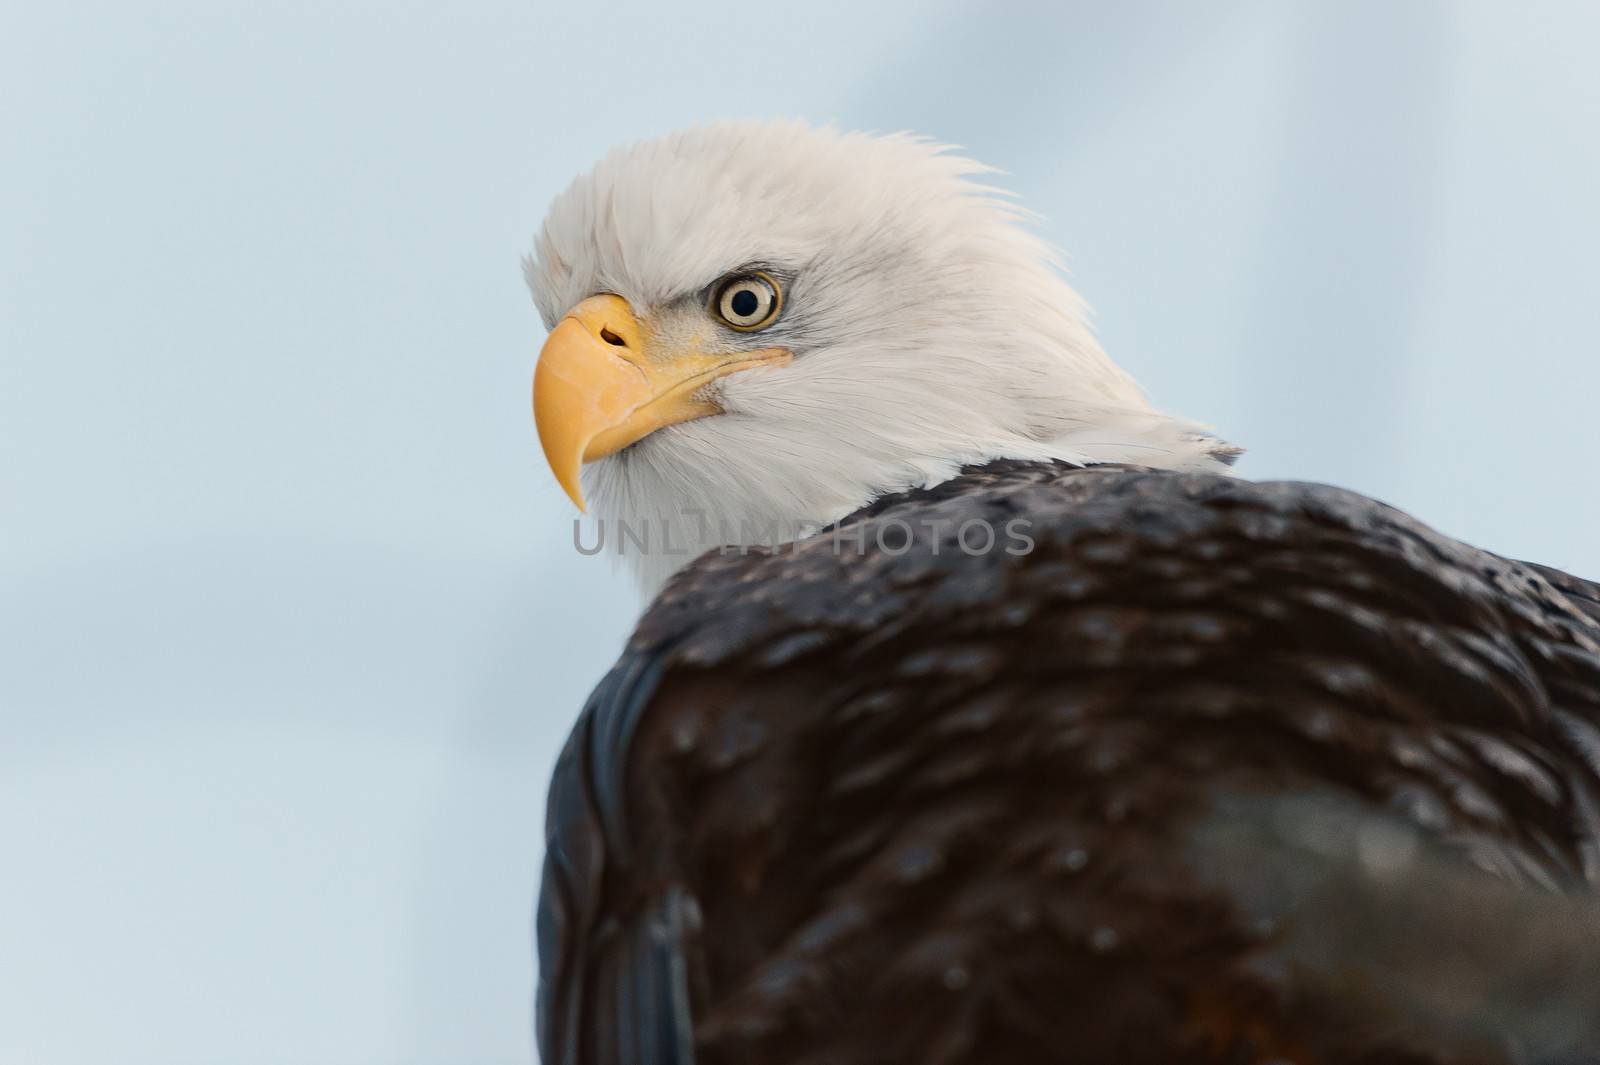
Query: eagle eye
(748,302)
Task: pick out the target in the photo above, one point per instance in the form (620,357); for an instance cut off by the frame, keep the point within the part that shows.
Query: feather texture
(932,807)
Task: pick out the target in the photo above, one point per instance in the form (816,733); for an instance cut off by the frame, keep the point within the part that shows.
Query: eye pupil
(748,301)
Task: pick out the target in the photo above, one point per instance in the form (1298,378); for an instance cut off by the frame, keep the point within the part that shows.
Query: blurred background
(290,623)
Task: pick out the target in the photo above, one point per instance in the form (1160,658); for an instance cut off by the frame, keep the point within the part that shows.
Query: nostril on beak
(611,338)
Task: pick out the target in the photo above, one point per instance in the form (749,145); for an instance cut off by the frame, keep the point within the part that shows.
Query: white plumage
(930,329)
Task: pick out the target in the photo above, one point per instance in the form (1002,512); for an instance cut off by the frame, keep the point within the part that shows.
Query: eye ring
(748,302)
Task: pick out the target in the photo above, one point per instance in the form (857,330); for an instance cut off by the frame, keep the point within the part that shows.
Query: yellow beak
(601,386)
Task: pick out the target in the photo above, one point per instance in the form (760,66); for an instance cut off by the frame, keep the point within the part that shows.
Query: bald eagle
(1046,738)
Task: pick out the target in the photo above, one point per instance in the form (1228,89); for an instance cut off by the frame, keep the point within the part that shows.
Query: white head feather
(930,329)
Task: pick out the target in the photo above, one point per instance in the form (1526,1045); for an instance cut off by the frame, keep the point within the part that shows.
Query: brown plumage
(1217,772)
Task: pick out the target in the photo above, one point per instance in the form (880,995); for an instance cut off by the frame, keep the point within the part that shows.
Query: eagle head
(756,325)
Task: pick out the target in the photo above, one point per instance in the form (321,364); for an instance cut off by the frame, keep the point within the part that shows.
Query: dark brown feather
(936,808)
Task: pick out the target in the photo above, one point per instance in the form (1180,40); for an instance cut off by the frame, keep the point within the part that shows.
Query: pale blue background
(290,623)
